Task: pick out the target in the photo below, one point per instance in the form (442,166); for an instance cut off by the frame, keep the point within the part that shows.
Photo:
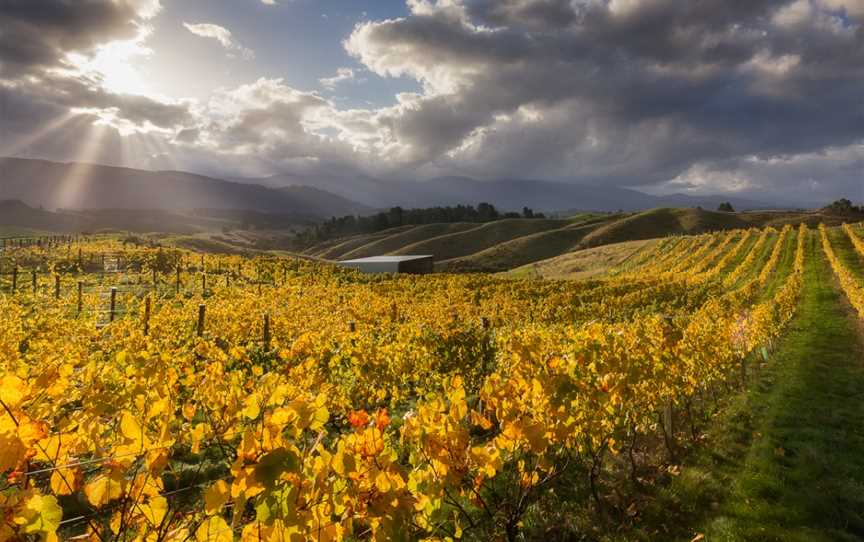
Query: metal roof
(388,259)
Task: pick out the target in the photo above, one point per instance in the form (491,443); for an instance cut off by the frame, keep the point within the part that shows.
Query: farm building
(420,264)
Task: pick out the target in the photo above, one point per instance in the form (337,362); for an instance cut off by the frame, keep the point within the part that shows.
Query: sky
(760,98)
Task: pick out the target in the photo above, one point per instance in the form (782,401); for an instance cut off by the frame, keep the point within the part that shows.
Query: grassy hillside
(551,247)
(587,263)
(522,250)
(402,239)
(334,249)
(662,222)
(487,235)
(17,218)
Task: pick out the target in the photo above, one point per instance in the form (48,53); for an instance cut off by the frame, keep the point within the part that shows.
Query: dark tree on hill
(843,207)
(487,212)
(726,207)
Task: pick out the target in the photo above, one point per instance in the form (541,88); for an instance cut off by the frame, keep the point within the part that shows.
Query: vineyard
(159,394)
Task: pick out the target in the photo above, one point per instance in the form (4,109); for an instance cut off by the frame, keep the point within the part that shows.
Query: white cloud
(853,8)
(220,34)
(342,74)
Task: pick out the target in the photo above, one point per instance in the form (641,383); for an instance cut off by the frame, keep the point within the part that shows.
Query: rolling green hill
(335,248)
(581,245)
(522,250)
(406,238)
(662,222)
(487,235)
(585,263)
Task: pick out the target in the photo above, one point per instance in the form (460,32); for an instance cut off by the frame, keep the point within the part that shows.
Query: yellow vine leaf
(214,529)
(12,391)
(40,515)
(105,488)
(216,496)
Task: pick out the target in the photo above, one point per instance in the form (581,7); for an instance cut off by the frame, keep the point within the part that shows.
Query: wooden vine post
(56,286)
(200,327)
(484,323)
(113,309)
(266,331)
(80,296)
(147,316)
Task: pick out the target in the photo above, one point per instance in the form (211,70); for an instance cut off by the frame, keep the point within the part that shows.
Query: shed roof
(388,259)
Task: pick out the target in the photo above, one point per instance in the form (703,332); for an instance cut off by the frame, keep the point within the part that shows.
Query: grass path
(785,460)
(803,475)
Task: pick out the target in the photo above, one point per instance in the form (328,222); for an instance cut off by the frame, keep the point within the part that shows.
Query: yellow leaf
(251,408)
(382,482)
(64,481)
(40,514)
(197,436)
(12,449)
(130,427)
(12,390)
(157,407)
(320,418)
(105,488)
(214,529)
(189,411)
(216,496)
(154,511)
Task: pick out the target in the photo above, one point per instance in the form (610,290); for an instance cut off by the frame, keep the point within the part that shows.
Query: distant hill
(586,263)
(455,245)
(20,216)
(54,185)
(660,223)
(465,246)
(551,247)
(414,235)
(525,249)
(519,251)
(506,194)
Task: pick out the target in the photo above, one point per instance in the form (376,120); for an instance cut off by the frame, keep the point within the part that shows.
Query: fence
(119,282)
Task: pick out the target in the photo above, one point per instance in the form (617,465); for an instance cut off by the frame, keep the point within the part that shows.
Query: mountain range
(506,194)
(82,186)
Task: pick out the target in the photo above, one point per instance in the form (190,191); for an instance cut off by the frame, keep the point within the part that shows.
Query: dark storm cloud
(38,33)
(693,81)
(38,84)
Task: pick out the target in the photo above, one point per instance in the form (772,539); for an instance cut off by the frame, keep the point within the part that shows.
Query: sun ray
(21,144)
(73,184)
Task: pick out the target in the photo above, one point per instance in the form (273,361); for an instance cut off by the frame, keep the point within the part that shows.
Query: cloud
(755,96)
(61,65)
(342,74)
(37,35)
(222,35)
(629,92)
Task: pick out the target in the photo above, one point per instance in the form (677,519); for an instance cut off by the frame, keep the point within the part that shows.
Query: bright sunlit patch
(108,116)
(115,65)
